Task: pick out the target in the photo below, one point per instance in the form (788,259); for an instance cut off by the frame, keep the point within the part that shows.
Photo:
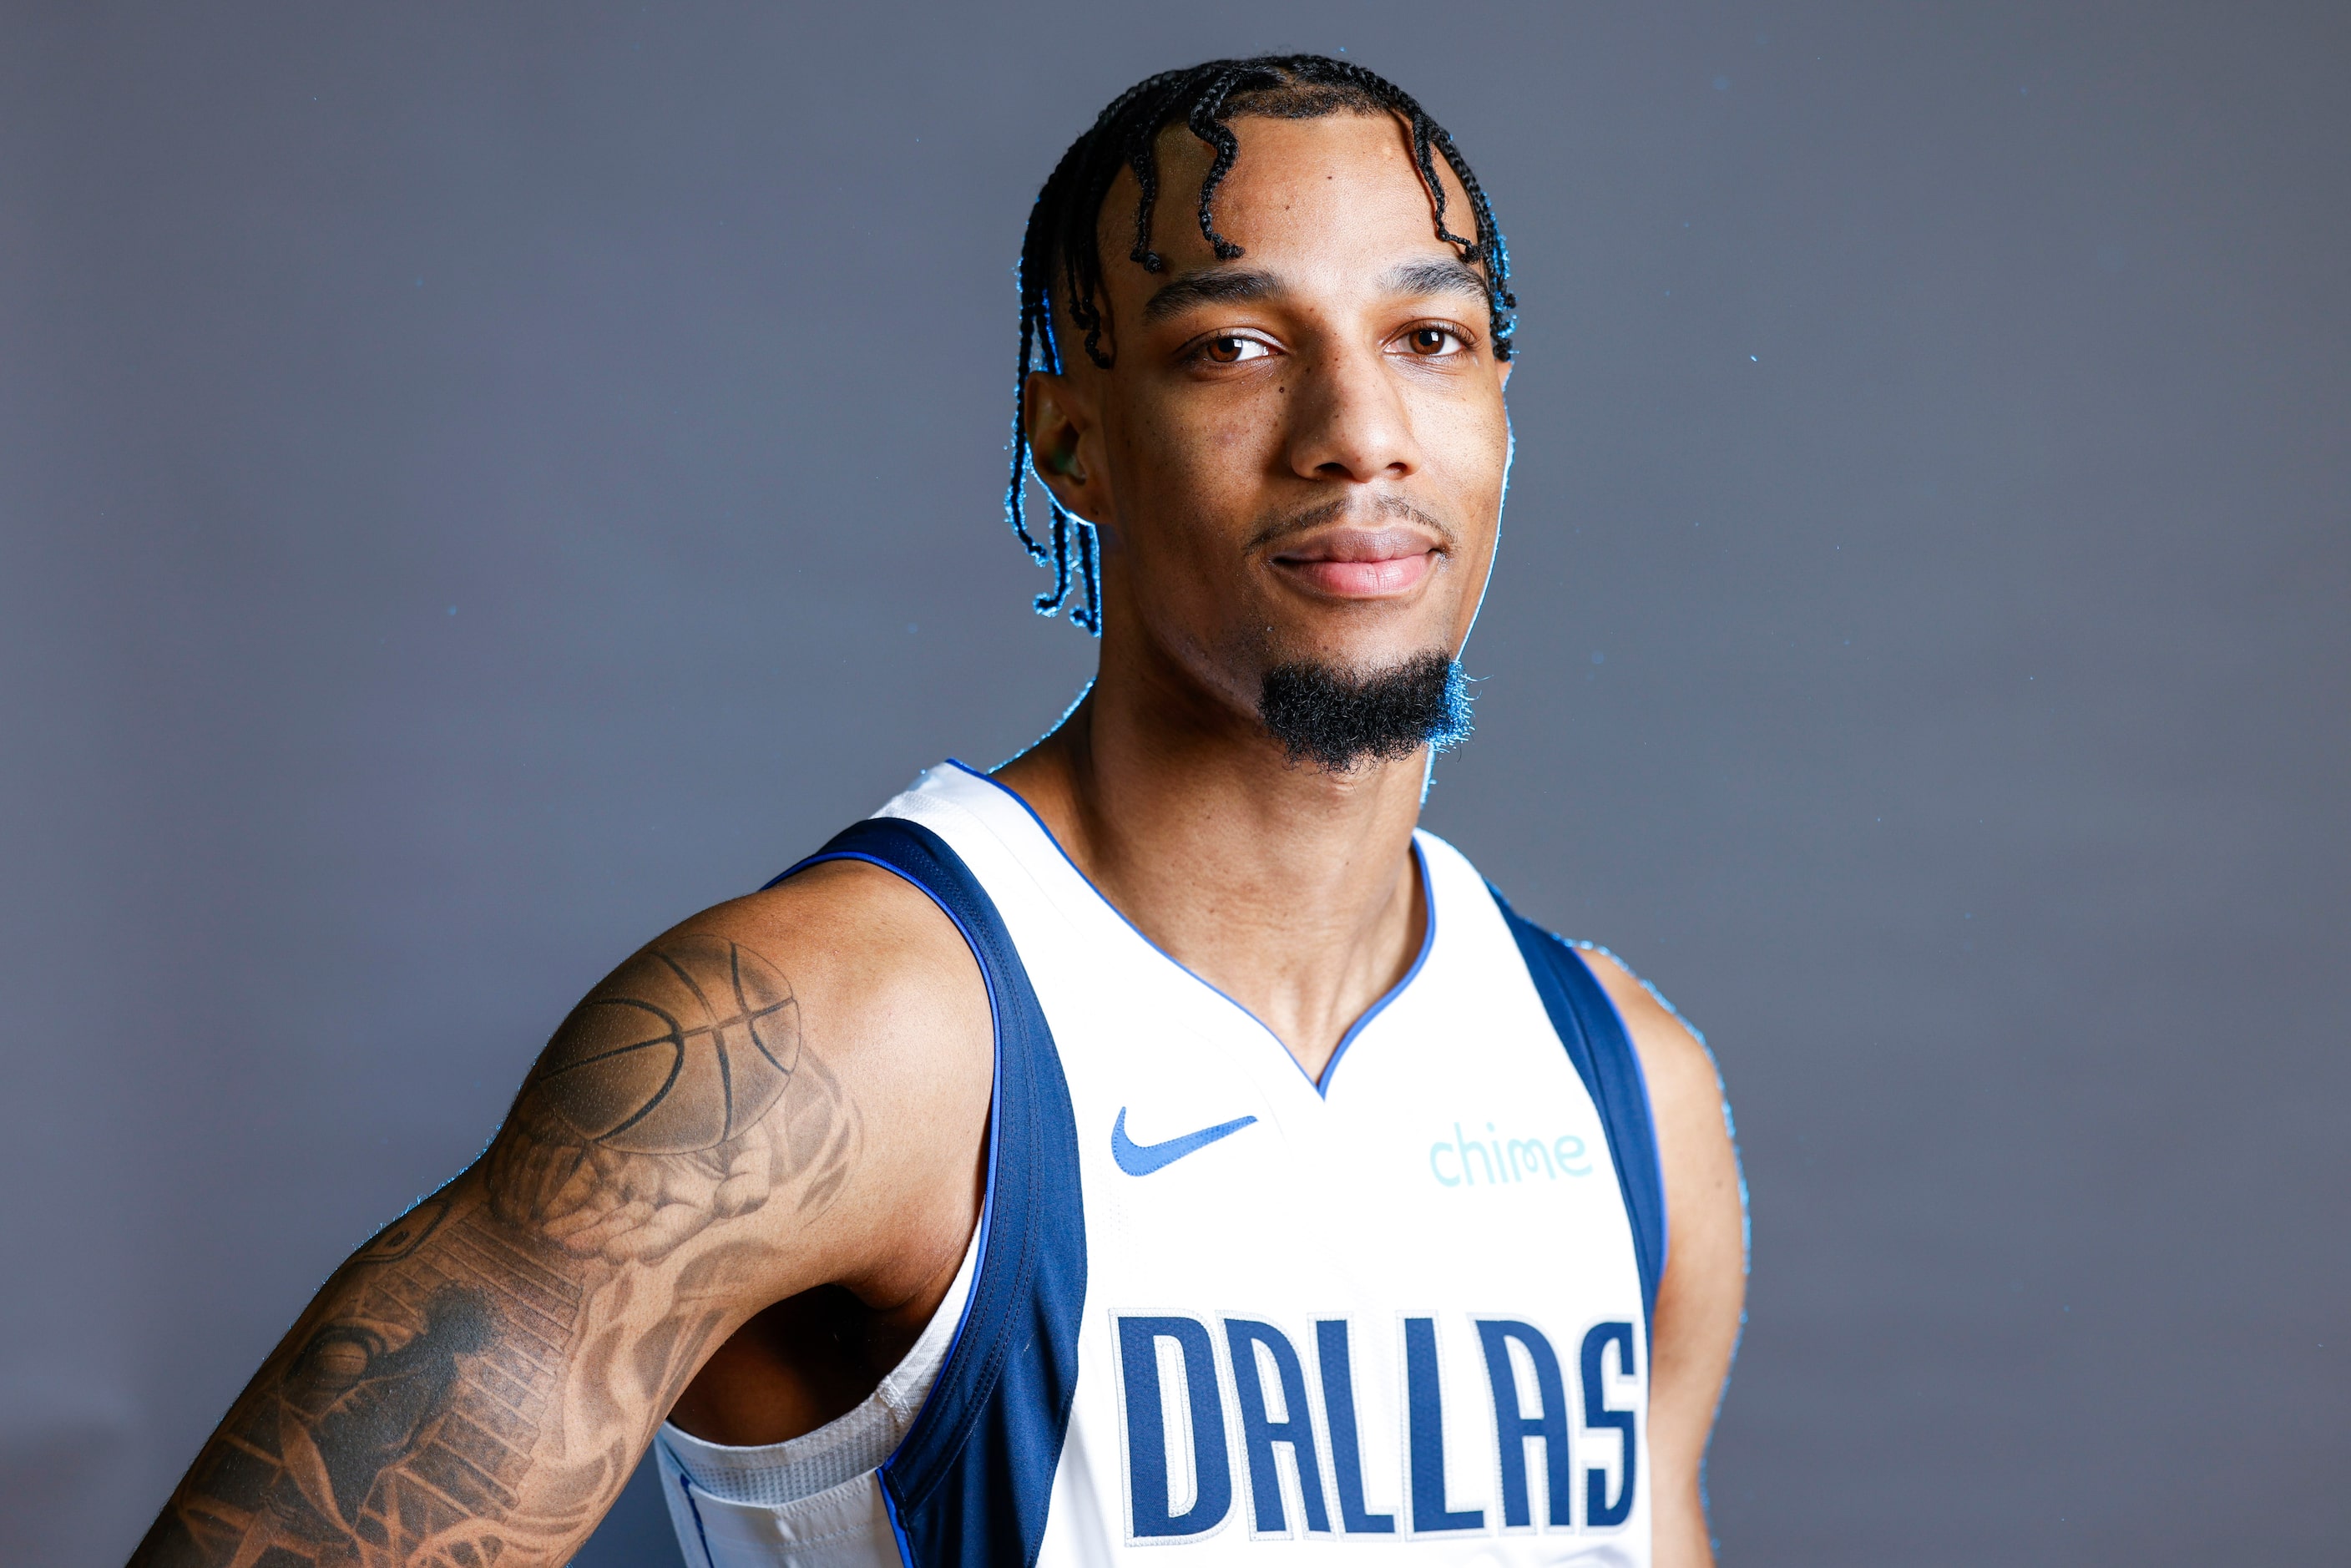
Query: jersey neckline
(1321,1086)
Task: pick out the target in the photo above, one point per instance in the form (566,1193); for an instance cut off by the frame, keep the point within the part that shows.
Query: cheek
(1466,450)
(1189,471)
(1214,445)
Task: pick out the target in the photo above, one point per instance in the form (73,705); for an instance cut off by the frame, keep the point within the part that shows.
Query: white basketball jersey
(1223,1309)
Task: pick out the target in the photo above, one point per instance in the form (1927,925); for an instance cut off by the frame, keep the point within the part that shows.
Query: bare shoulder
(893,1007)
(1674,1057)
(884,980)
(1705,1203)
(814,1059)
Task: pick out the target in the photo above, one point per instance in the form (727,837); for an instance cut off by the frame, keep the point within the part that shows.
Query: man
(1156,1143)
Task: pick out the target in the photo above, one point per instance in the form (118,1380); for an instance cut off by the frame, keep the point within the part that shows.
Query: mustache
(1297,525)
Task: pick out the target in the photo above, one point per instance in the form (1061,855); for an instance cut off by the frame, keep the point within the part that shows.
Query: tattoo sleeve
(475,1386)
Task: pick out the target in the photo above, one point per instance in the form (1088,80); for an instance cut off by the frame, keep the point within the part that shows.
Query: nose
(1348,421)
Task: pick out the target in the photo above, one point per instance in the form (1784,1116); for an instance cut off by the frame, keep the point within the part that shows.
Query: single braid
(1049,603)
(1146,176)
(1020,445)
(1491,247)
(1142,134)
(1089,574)
(1468,248)
(1206,123)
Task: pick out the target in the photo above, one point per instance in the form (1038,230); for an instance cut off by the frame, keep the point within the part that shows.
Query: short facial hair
(1340,721)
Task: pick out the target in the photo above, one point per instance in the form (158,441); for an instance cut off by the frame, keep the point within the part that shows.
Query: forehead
(1324,201)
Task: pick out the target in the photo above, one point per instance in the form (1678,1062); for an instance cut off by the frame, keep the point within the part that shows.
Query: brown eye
(1232,348)
(1429,340)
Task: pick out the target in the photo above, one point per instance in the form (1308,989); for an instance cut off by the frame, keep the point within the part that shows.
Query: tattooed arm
(477,1382)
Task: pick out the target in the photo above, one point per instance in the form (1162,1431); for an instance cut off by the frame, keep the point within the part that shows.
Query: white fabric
(1326,1207)
(1454,1180)
(812,1502)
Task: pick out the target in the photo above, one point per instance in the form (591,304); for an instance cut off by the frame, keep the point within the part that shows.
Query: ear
(1063,448)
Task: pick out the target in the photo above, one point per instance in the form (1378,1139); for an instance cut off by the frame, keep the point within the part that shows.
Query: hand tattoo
(476,1383)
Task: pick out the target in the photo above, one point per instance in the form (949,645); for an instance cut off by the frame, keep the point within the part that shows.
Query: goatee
(1339,720)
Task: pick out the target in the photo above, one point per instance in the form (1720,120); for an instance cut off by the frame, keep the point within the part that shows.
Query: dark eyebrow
(1215,287)
(1435,278)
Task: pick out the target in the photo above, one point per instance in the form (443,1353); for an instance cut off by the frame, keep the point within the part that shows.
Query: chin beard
(1340,721)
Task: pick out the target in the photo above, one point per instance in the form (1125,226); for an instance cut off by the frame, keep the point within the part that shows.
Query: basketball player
(1154,1146)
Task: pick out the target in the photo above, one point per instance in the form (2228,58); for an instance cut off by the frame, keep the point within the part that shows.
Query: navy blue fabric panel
(970,1486)
(1596,1042)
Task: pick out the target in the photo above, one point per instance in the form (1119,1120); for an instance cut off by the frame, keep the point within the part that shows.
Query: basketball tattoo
(442,1405)
(647,1117)
(691,1040)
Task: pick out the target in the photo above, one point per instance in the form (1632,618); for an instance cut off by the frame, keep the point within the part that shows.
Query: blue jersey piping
(1427,941)
(890,1504)
(701,1533)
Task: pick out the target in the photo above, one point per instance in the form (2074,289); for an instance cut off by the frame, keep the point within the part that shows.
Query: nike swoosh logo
(1142,1159)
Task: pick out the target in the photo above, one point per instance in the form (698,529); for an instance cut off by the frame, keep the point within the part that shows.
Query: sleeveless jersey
(1397,1315)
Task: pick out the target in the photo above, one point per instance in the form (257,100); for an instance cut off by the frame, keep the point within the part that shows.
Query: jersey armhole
(971,1483)
(1593,1034)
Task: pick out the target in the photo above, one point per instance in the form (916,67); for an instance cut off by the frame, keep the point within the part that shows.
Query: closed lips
(1361,564)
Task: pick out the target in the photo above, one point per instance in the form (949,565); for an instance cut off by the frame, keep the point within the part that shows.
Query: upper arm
(773,1070)
(1702,1294)
(786,1092)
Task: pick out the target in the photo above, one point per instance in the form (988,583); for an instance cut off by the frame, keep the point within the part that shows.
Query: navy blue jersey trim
(996,1081)
(970,1485)
(1589,1026)
(1322,1085)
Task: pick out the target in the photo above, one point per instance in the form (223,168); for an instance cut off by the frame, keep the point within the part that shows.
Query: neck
(1290,889)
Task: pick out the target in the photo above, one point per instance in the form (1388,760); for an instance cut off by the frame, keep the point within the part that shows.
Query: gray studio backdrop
(477,484)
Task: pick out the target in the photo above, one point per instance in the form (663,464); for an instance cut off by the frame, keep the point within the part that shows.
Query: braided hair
(1060,258)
